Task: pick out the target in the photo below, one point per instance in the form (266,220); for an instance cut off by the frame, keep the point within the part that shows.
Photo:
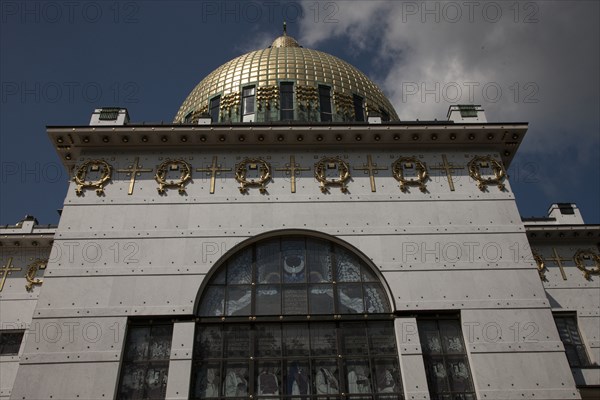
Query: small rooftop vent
(374,118)
(110,116)
(28,218)
(565,213)
(466,113)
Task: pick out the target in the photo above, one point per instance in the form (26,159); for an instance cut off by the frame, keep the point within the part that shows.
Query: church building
(288,237)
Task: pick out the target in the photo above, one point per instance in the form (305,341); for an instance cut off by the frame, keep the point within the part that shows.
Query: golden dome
(286,61)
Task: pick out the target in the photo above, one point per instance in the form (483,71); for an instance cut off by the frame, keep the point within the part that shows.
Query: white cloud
(255,41)
(542,56)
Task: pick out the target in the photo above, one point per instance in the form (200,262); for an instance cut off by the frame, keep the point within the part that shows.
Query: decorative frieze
(586,260)
(401,170)
(30,276)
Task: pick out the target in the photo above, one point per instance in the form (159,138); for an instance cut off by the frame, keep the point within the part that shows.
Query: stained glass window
(10,342)
(146,361)
(307,360)
(296,317)
(293,276)
(569,334)
(446,363)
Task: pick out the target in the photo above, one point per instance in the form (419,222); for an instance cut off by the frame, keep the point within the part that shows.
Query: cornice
(504,138)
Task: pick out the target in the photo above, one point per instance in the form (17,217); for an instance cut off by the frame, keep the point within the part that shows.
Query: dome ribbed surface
(286,61)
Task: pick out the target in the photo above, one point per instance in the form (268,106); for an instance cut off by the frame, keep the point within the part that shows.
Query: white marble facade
(121,256)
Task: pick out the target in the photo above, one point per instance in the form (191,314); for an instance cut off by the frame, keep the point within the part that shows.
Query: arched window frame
(294,233)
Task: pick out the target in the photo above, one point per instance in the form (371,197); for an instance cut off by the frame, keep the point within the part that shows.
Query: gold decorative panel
(344,104)
(307,96)
(267,96)
(229,102)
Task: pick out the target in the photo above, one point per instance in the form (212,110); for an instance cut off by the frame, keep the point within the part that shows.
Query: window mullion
(334,277)
(444,359)
(146,364)
(252,360)
(253,280)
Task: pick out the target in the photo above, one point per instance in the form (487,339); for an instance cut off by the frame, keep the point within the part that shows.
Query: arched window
(295,316)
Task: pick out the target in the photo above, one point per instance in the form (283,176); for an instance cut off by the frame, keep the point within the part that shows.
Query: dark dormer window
(286,101)
(215,103)
(325,103)
(248,102)
(359,114)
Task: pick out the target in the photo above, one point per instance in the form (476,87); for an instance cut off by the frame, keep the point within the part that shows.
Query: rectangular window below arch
(145,366)
(303,359)
(445,356)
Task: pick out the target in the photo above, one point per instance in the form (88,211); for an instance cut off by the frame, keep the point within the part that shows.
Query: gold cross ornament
(134,170)
(372,170)
(214,170)
(5,271)
(291,169)
(558,260)
(448,168)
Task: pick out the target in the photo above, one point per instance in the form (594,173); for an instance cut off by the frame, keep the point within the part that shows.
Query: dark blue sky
(60,60)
